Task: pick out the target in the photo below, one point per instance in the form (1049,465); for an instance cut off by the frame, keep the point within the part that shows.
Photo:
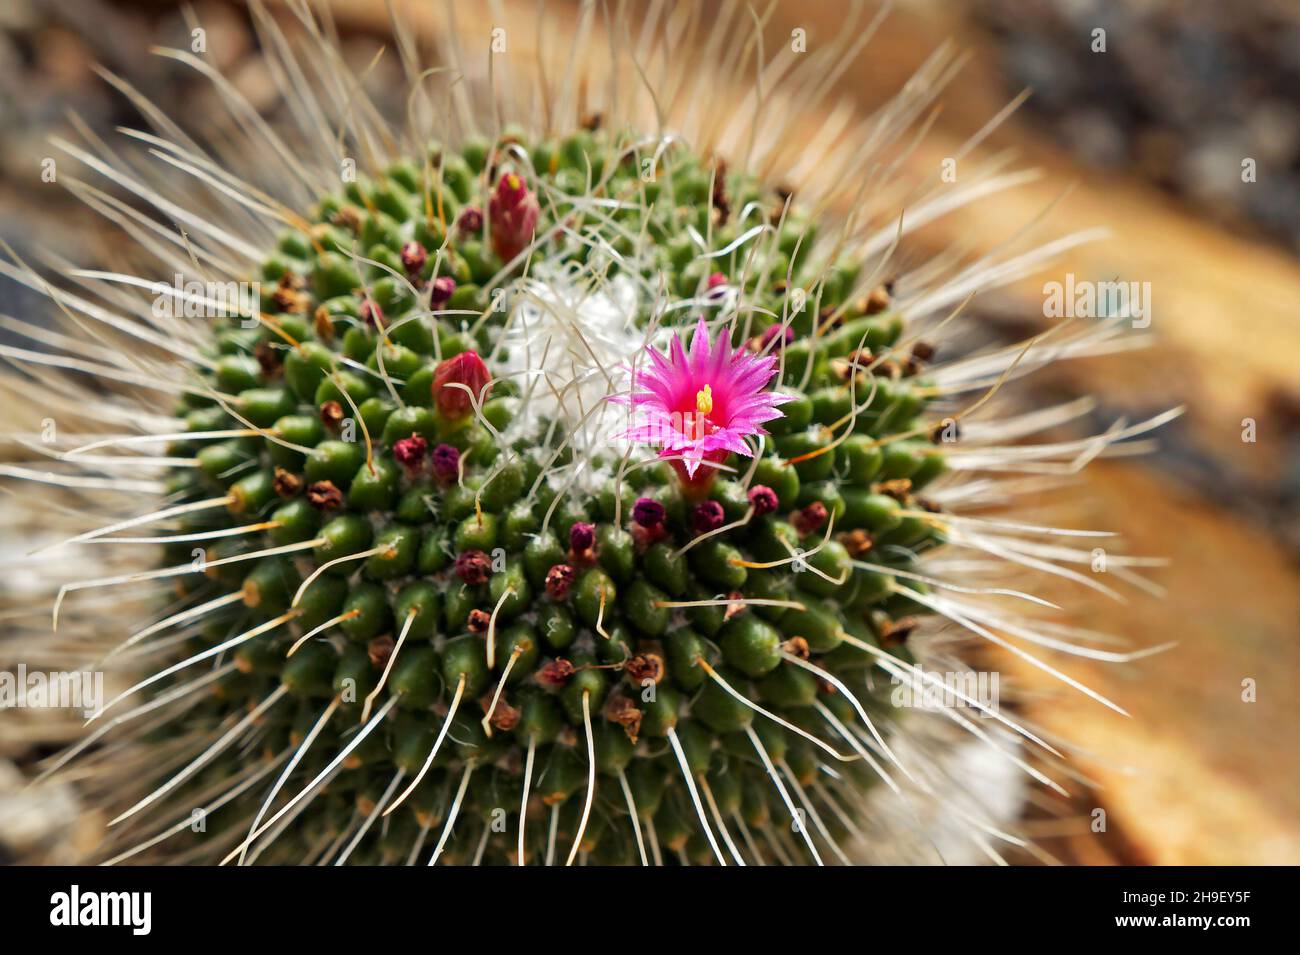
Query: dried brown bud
(894,633)
(349,217)
(379,649)
(555,673)
(286,483)
(268,358)
(946,431)
(323,324)
(479,621)
(331,414)
(622,711)
(877,301)
(856,542)
(645,666)
(797,647)
(502,715)
(324,496)
(288,295)
(899,489)
(721,201)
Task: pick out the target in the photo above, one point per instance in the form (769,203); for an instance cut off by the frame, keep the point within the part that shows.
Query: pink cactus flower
(513,212)
(700,405)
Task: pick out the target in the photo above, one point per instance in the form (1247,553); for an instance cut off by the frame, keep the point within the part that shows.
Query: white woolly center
(570,347)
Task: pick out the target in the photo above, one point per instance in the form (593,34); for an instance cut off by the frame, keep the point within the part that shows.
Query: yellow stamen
(704,399)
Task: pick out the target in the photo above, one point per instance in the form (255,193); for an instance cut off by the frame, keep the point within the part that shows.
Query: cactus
(554,501)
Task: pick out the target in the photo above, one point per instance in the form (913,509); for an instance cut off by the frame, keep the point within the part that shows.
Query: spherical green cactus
(466,624)
(558,496)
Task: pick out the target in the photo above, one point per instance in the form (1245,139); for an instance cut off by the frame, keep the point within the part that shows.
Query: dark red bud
(707,516)
(648,512)
(441,290)
(470,219)
(582,537)
(775,331)
(446,462)
(473,567)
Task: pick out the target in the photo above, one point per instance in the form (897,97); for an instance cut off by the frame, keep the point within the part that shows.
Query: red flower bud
(464,369)
(513,211)
(441,290)
(410,452)
(413,257)
(811,518)
(370,312)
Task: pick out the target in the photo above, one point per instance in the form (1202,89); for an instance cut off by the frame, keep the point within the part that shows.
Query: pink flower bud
(775,331)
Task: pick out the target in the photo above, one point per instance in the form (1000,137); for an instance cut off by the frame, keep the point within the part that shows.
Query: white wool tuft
(570,348)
